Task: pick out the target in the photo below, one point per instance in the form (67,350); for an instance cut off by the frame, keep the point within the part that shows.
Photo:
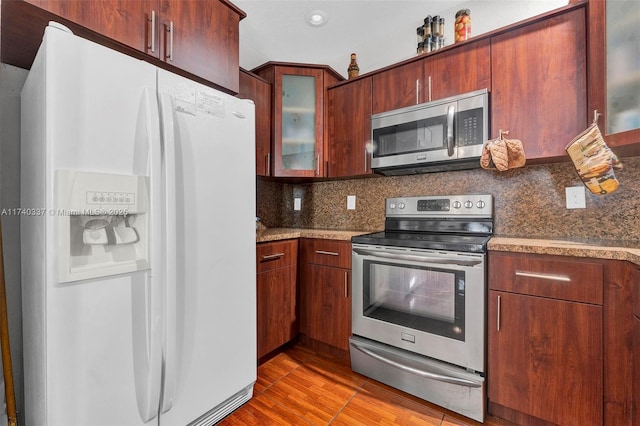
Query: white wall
(400,44)
(11,81)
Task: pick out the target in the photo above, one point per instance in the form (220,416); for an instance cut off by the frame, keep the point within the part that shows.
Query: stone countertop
(594,248)
(598,249)
(275,234)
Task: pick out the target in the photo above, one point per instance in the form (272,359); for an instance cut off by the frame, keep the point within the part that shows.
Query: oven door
(428,302)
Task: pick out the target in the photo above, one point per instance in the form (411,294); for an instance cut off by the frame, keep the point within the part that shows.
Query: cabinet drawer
(275,255)
(555,277)
(327,252)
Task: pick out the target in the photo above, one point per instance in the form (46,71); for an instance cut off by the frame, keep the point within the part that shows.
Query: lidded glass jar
(440,27)
(435,26)
(420,34)
(427,27)
(462,26)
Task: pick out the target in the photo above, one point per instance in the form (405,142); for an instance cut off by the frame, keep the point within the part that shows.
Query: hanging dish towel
(502,154)
(594,161)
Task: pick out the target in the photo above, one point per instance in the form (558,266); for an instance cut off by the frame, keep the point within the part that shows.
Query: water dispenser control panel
(103,224)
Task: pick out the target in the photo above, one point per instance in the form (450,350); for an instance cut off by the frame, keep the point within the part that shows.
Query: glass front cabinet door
(614,69)
(298,117)
(297,127)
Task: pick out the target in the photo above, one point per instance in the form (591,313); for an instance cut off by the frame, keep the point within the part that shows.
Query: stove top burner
(461,223)
(421,240)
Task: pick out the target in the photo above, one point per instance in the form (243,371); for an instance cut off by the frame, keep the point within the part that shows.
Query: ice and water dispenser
(103,224)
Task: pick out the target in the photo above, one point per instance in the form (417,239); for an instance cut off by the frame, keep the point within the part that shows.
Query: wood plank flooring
(303,387)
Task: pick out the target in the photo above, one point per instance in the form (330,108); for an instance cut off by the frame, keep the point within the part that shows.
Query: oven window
(422,298)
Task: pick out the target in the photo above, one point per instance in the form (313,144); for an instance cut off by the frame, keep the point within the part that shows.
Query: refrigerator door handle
(170,250)
(146,297)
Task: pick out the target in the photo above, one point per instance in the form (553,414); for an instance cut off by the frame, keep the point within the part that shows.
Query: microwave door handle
(451,111)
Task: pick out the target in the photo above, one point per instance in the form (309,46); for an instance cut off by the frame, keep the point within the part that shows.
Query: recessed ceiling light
(316,18)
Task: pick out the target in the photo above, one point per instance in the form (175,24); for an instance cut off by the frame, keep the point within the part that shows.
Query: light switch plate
(351,202)
(575,197)
(297,203)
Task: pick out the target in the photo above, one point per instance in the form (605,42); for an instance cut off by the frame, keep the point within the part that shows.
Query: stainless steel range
(419,300)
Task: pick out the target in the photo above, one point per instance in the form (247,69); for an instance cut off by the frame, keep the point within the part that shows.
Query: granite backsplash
(528,201)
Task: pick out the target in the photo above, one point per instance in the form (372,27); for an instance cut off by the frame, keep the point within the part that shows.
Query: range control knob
(457,204)
(480,204)
(468,204)
(401,206)
(392,205)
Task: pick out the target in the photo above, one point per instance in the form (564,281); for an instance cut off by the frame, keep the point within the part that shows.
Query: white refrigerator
(138,242)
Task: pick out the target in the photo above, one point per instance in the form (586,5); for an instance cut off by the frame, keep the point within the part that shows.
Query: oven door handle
(422,373)
(417,258)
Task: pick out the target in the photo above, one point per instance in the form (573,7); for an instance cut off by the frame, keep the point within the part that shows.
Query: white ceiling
(381,32)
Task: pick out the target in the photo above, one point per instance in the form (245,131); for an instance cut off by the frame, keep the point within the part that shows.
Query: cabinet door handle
(328,253)
(551,277)
(498,319)
(272,256)
(366,155)
(317,165)
(268,159)
(417,91)
(346,284)
(429,88)
(152,40)
(170,31)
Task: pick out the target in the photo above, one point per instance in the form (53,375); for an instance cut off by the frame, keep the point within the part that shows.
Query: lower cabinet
(545,338)
(325,285)
(636,346)
(276,294)
(636,369)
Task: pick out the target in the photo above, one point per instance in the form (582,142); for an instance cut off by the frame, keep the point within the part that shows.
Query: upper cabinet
(200,37)
(614,71)
(298,117)
(460,69)
(398,87)
(259,91)
(133,23)
(349,129)
(539,83)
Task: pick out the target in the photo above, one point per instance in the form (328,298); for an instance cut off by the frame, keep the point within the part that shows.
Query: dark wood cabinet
(298,117)
(328,305)
(545,337)
(259,91)
(462,69)
(200,37)
(349,129)
(457,70)
(397,87)
(326,292)
(636,345)
(276,294)
(129,22)
(636,371)
(545,350)
(539,84)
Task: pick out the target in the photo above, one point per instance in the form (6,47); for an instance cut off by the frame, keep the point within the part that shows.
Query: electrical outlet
(297,203)
(351,202)
(575,197)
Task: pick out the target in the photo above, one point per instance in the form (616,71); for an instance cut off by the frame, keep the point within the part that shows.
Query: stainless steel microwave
(447,134)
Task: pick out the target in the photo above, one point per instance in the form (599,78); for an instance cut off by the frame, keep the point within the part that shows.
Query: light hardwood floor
(302,387)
